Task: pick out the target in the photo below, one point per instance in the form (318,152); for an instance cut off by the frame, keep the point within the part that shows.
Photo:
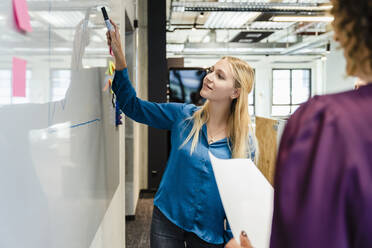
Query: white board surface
(59,164)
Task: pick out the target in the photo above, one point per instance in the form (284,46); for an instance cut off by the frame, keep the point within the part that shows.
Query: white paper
(247,198)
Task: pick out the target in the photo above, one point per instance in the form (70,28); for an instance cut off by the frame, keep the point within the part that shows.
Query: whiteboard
(58,158)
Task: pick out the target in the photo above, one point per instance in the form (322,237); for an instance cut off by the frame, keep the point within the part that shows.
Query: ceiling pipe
(293,29)
(309,8)
(311,42)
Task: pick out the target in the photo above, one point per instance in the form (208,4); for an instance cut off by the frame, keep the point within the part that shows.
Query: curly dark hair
(353,29)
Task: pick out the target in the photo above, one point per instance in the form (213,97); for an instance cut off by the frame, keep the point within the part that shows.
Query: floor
(138,230)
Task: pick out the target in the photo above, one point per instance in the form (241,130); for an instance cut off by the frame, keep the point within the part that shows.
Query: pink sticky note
(21,16)
(19,77)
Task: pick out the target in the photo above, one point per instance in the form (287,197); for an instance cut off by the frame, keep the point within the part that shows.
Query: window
(252,101)
(252,97)
(6,89)
(291,87)
(60,83)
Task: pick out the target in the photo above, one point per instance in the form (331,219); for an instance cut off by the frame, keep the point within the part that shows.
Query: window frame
(291,104)
(254,99)
(254,95)
(51,81)
(13,99)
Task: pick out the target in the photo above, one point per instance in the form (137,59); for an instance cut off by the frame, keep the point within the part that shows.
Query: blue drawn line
(84,123)
(53,130)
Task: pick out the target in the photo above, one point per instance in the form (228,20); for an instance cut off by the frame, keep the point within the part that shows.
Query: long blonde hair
(239,122)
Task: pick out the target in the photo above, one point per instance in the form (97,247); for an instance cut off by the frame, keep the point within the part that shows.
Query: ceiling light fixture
(230,19)
(302,18)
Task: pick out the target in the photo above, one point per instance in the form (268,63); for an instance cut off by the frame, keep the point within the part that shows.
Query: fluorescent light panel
(270,25)
(229,19)
(309,8)
(302,18)
(306,1)
(217,50)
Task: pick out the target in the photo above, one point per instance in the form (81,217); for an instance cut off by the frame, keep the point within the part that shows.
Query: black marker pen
(107,20)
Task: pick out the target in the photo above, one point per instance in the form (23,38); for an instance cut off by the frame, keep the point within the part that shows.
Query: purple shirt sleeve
(323,190)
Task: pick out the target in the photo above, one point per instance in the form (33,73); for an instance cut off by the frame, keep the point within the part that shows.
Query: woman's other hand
(114,41)
(244,242)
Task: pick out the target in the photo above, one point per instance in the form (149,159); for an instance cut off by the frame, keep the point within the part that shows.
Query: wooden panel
(266,133)
(175,62)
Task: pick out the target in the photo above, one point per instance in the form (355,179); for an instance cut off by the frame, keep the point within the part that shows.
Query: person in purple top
(323,182)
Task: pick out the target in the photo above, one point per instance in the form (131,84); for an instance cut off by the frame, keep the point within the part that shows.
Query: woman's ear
(236,93)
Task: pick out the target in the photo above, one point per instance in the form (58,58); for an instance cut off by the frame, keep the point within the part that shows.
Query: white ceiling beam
(234,45)
(310,42)
(183,6)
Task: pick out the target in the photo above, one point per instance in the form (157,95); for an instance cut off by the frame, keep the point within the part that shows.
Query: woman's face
(218,84)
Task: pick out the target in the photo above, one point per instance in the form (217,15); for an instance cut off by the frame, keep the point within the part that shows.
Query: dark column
(157,80)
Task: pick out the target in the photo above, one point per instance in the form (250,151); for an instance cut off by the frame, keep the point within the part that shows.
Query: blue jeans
(165,234)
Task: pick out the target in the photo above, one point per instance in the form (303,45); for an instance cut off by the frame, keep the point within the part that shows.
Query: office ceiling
(220,27)
(250,27)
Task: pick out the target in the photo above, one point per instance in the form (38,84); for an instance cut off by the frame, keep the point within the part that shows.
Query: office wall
(130,10)
(130,197)
(140,130)
(336,79)
(136,133)
(264,79)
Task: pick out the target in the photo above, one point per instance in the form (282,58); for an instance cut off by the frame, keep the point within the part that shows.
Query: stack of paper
(247,198)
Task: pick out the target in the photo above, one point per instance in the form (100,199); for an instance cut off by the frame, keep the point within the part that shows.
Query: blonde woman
(188,211)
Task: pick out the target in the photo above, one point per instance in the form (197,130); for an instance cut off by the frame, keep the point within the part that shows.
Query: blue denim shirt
(188,195)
